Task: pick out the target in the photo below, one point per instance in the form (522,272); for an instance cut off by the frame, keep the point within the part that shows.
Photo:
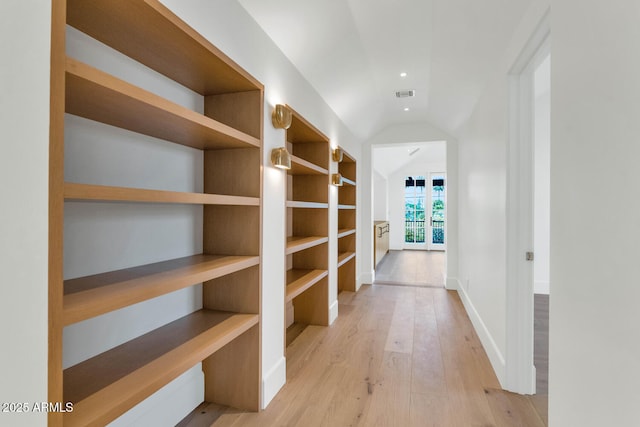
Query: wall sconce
(336,179)
(280,158)
(281,117)
(337,154)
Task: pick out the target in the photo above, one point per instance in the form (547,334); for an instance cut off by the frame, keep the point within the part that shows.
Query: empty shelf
(90,296)
(299,243)
(105,386)
(96,95)
(299,281)
(73,191)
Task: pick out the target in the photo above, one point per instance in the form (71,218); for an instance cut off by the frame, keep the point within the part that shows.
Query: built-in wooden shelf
(346,207)
(90,296)
(299,280)
(300,243)
(344,257)
(306,205)
(96,95)
(347,224)
(300,166)
(345,232)
(79,192)
(225,335)
(148,32)
(103,387)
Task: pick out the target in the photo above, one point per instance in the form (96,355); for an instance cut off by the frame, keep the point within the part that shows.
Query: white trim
(273,381)
(367,278)
(520,372)
(488,343)
(452,283)
(333,312)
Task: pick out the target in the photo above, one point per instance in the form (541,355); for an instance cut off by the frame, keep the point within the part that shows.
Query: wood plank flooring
(396,356)
(411,268)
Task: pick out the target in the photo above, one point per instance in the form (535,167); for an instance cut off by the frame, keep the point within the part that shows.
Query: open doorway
(528,231)
(541,221)
(409,199)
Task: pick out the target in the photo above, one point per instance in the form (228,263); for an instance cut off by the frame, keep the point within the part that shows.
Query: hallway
(396,356)
(412,268)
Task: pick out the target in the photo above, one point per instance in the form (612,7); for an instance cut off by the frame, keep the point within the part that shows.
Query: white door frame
(520,370)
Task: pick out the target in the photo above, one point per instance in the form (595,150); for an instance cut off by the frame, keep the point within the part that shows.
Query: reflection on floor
(413,268)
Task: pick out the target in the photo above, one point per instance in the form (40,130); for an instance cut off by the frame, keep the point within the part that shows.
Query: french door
(425,212)
(415,213)
(437,215)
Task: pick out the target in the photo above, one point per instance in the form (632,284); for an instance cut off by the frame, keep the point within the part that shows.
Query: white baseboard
(169,405)
(273,381)
(496,358)
(451,283)
(365,278)
(333,312)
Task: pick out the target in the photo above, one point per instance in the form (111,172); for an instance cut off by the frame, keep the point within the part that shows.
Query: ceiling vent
(405,93)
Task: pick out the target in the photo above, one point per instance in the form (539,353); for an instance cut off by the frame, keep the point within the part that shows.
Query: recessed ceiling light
(406,108)
(403,74)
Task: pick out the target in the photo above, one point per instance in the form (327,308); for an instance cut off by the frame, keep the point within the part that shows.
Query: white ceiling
(389,159)
(353,51)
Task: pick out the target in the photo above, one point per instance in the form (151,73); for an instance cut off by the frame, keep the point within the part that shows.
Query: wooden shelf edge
(299,243)
(300,166)
(84,192)
(348,181)
(347,207)
(303,283)
(344,257)
(170,121)
(129,286)
(306,205)
(113,400)
(345,232)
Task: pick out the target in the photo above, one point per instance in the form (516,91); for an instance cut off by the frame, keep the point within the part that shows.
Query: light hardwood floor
(396,356)
(411,268)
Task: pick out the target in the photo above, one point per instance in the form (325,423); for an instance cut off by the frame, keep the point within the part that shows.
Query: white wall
(482,197)
(25,28)
(594,317)
(380,197)
(542,147)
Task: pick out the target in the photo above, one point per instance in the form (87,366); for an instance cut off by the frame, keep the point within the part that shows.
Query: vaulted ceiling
(354,51)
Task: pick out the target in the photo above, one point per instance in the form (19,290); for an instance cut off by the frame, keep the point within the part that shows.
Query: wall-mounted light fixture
(337,154)
(281,117)
(280,158)
(336,179)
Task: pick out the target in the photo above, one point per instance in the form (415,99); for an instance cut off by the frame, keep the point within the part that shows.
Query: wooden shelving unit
(347,224)
(225,334)
(306,289)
